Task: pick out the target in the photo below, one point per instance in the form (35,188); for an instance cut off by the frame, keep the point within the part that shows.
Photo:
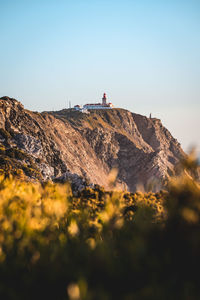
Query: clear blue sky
(144,53)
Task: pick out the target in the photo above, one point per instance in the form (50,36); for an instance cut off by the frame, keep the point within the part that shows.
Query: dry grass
(99,244)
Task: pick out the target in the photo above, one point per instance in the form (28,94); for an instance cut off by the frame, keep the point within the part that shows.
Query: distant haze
(144,54)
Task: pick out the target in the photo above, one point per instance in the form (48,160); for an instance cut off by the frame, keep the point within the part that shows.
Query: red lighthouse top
(104,99)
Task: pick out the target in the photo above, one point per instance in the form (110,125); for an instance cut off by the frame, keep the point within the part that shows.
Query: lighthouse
(104,99)
(103,105)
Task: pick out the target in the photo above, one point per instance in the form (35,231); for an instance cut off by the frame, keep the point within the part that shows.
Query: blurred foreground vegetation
(100,245)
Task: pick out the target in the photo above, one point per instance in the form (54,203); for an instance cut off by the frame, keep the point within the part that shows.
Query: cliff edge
(69,143)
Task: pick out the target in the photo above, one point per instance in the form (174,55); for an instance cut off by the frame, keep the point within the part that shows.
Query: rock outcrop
(90,145)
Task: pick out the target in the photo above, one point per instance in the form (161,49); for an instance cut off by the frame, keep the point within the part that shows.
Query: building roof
(98,104)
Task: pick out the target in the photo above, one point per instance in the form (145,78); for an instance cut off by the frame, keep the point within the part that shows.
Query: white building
(103,105)
(81,109)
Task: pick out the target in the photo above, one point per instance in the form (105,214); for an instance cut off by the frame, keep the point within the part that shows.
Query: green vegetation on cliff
(15,162)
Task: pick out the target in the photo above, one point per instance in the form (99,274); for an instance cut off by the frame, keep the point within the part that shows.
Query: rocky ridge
(68,144)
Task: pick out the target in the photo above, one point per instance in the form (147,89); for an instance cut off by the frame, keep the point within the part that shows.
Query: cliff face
(90,145)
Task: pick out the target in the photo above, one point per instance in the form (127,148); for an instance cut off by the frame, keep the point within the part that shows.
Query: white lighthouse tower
(104,99)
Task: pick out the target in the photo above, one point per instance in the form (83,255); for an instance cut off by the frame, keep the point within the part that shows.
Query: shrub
(54,245)
(16,153)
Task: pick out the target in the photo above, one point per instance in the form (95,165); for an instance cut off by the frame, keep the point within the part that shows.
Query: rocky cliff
(67,143)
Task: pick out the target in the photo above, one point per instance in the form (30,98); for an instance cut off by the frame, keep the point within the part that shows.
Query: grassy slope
(97,118)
